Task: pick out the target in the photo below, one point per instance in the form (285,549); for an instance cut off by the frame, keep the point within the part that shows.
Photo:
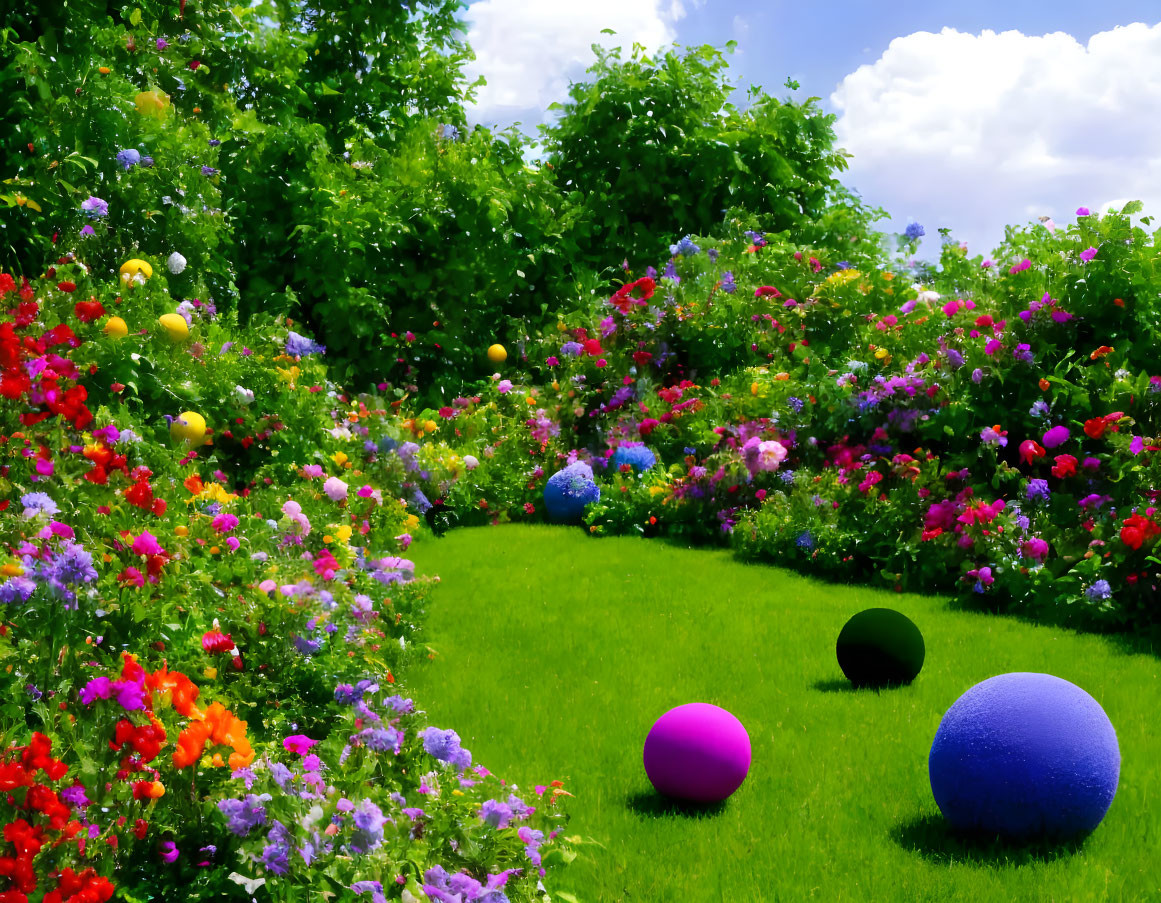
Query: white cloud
(975,131)
(529,50)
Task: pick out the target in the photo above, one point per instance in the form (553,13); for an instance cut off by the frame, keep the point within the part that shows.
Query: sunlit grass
(556,653)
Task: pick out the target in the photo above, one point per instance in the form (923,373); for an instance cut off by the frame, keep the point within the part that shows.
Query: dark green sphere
(880,648)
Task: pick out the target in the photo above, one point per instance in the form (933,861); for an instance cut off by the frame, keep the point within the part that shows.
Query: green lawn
(556,653)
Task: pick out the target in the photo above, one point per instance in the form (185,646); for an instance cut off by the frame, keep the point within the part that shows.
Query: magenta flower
(1083,211)
(224,523)
(1020,267)
(1088,254)
(298,743)
(1056,436)
(147,544)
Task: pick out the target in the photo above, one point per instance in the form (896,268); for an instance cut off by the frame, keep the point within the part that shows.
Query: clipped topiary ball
(880,647)
(1026,756)
(697,752)
(568,492)
(635,454)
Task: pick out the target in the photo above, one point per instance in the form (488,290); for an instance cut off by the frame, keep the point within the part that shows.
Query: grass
(556,652)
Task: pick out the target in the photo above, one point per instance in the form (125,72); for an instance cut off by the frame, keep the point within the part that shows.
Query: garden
(385,516)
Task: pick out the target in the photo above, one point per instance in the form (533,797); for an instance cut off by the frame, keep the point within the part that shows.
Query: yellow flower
(754,388)
(344,533)
(181,530)
(11,569)
(881,353)
(210,673)
(340,458)
(412,522)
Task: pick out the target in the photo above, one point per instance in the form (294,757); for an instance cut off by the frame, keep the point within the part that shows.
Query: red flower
(1065,466)
(1137,530)
(87,311)
(593,347)
(1095,428)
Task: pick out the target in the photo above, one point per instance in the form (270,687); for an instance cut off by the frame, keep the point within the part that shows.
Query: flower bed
(203,627)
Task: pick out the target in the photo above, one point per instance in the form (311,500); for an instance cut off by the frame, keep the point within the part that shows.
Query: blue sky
(968,115)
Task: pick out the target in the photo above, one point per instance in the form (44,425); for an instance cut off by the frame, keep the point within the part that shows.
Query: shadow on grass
(652,804)
(932,838)
(837,685)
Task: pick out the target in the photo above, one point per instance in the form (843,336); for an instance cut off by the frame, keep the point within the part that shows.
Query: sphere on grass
(188,429)
(568,491)
(635,454)
(880,647)
(697,752)
(1025,756)
(497,354)
(175,327)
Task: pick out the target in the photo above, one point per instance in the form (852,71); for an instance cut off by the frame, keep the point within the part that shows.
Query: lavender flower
(94,207)
(445,746)
(300,346)
(245,814)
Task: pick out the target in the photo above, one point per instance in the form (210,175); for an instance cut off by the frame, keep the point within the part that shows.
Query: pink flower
(951,308)
(1088,254)
(1020,267)
(335,489)
(224,522)
(232,542)
(1056,436)
(267,586)
(298,743)
(311,471)
(147,544)
(504,386)
(1034,548)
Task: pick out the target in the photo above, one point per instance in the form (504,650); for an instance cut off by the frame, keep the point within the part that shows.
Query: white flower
(176,263)
(244,395)
(928,296)
(471,462)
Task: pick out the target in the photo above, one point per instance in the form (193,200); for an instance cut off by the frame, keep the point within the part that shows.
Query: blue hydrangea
(684,247)
(1099,591)
(243,815)
(128,158)
(1037,489)
(445,746)
(635,455)
(915,231)
(38,503)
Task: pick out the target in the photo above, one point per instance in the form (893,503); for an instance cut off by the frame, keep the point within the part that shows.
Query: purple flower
(369,823)
(162,43)
(38,503)
(75,796)
(243,815)
(1088,254)
(1099,591)
(496,814)
(16,589)
(977,375)
(914,231)
(374,888)
(1056,436)
(445,746)
(93,207)
(1136,445)
(1093,501)
(571,349)
(728,284)
(1037,489)
(300,346)
(169,852)
(88,230)
(209,171)
(1023,353)
(128,158)
(1083,211)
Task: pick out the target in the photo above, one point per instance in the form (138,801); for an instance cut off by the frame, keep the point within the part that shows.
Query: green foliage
(652,146)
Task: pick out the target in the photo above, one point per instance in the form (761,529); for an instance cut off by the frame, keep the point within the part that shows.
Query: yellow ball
(175,326)
(116,328)
(130,269)
(152,103)
(189,428)
(497,354)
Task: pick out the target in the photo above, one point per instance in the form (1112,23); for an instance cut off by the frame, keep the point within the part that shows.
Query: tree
(653,148)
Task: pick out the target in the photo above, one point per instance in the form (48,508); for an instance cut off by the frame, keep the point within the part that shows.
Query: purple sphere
(697,752)
(1026,756)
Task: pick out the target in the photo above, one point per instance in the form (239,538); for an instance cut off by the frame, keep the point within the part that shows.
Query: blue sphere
(1026,756)
(568,491)
(635,455)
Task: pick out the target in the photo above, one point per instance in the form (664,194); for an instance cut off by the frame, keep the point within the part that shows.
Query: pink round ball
(697,752)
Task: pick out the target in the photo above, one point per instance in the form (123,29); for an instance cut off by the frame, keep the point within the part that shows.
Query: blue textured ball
(568,491)
(635,455)
(1026,756)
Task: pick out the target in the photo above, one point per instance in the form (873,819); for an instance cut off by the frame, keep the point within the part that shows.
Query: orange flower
(1101,352)
(190,744)
(184,693)
(1043,384)
(193,483)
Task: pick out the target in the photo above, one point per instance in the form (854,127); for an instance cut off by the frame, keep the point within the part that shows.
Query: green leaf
(135,17)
